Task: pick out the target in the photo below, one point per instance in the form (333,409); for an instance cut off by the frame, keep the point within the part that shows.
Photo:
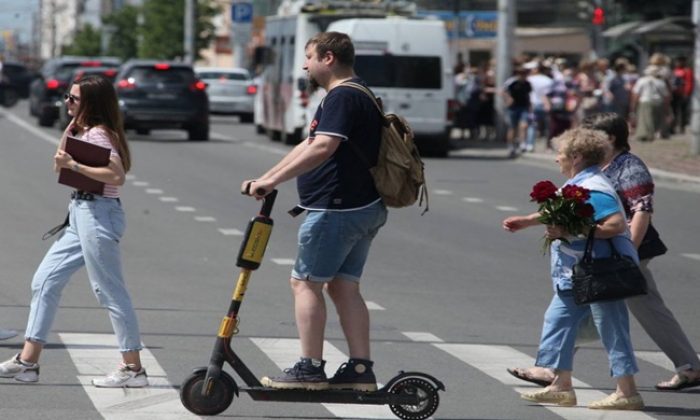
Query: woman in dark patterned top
(635,186)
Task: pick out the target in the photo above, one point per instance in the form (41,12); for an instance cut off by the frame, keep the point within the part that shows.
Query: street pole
(188,41)
(695,121)
(504,47)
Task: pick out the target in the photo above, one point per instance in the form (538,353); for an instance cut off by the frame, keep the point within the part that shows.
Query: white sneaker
(124,377)
(5,334)
(20,371)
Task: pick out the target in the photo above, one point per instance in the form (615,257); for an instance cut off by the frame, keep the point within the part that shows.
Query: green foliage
(86,42)
(163,28)
(654,9)
(124,40)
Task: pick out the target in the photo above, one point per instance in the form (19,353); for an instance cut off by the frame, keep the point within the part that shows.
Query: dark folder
(88,154)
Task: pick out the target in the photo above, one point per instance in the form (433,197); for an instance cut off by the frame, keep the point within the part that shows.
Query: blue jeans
(91,240)
(539,119)
(561,323)
(335,244)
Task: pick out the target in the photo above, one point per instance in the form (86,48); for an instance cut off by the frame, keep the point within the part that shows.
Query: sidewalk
(667,159)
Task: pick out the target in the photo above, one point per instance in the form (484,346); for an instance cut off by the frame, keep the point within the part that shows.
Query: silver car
(231,91)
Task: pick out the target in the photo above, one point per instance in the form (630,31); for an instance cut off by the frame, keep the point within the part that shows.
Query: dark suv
(163,94)
(46,92)
(18,76)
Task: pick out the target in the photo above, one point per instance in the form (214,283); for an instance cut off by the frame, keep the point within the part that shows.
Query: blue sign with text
(471,24)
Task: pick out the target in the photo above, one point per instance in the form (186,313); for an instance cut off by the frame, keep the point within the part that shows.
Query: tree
(86,42)
(654,9)
(124,39)
(163,28)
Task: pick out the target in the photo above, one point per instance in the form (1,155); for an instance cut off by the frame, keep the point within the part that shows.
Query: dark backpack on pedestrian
(399,173)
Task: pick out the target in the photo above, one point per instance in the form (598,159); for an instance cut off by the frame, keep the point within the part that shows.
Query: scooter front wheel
(427,396)
(219,398)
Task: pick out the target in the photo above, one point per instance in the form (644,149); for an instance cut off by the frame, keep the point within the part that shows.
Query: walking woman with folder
(91,239)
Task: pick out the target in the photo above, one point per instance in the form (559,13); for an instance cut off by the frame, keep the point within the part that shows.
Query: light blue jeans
(91,240)
(561,324)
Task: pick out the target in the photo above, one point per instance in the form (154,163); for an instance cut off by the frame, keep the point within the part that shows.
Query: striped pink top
(98,136)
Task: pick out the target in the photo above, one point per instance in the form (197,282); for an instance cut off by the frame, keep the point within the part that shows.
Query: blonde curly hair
(592,145)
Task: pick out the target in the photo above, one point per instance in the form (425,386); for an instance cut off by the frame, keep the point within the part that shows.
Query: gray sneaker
(20,371)
(124,377)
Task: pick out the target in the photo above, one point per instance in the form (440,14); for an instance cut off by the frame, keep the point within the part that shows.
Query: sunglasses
(71,98)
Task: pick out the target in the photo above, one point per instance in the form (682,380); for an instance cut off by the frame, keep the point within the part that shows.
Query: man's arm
(298,162)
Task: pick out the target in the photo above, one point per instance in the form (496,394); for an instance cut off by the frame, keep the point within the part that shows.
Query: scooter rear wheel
(217,401)
(426,393)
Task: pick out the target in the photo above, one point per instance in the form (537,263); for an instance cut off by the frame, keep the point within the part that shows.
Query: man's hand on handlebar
(257,188)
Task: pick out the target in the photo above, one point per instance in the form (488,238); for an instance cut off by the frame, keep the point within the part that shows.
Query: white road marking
(206,219)
(473,199)
(656,358)
(140,184)
(442,192)
(185,208)
(692,256)
(284,352)
(493,361)
(506,208)
(374,306)
(231,232)
(219,136)
(96,355)
(154,191)
(27,126)
(169,199)
(419,336)
(264,148)
(283,261)
(130,177)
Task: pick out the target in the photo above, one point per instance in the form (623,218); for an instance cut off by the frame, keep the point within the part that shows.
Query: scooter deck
(379,397)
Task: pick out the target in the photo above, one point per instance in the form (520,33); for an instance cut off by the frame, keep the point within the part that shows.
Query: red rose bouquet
(565,207)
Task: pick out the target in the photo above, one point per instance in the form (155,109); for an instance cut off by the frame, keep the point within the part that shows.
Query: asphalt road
(450,292)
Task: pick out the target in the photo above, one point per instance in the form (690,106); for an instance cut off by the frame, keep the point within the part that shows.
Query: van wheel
(293,138)
(46,120)
(198,133)
(246,118)
(259,129)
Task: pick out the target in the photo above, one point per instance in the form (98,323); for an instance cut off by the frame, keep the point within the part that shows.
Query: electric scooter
(210,390)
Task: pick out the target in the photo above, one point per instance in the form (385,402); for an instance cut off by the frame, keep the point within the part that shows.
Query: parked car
(18,76)
(46,92)
(110,73)
(163,94)
(230,90)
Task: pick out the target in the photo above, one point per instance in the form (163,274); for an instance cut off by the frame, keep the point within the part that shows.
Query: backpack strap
(367,92)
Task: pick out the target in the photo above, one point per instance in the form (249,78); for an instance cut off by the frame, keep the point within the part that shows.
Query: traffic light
(598,17)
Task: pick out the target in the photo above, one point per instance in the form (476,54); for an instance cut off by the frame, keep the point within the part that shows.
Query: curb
(657,173)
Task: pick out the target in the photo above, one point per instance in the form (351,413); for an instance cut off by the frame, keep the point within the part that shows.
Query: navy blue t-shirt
(343,181)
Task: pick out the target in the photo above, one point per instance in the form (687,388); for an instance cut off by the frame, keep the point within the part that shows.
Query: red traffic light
(598,16)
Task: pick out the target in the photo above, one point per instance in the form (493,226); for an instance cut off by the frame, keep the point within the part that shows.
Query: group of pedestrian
(545,97)
(597,156)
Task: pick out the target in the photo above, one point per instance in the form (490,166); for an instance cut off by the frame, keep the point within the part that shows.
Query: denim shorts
(335,244)
(517,116)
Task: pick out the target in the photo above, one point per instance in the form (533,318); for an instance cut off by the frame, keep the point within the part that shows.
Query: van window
(392,71)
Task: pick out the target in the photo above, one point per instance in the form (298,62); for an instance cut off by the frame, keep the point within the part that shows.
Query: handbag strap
(588,252)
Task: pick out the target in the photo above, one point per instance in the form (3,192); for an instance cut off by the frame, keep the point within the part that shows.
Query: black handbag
(652,245)
(605,279)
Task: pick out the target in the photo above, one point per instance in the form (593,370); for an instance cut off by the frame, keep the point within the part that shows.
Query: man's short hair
(337,43)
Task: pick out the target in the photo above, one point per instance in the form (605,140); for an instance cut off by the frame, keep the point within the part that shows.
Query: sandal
(524,375)
(678,382)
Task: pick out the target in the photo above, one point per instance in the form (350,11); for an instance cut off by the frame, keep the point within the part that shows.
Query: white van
(407,64)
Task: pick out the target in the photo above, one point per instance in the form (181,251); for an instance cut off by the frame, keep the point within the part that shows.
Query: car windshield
(394,71)
(223,75)
(172,75)
(65,71)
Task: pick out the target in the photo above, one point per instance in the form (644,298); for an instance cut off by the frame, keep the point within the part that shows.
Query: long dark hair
(98,107)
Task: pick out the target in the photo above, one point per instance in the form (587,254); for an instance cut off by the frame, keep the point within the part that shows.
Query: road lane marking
(185,209)
(37,132)
(169,199)
(473,199)
(493,360)
(96,355)
(283,261)
(205,219)
(692,256)
(264,148)
(506,208)
(154,191)
(373,306)
(231,232)
(140,184)
(284,352)
(656,358)
(424,337)
(442,192)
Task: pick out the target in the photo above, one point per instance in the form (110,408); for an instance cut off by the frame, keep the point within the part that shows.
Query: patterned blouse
(633,183)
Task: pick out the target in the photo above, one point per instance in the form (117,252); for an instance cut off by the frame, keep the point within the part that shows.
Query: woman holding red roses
(581,151)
